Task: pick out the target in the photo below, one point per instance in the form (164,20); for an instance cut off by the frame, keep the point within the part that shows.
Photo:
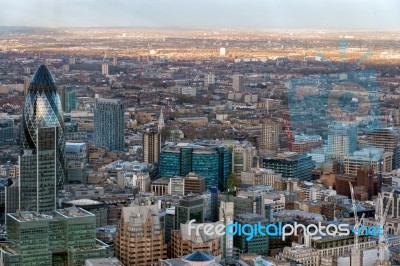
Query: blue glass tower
(43,109)
(212,162)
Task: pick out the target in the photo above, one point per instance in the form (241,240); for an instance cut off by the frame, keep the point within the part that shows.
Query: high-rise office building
(76,162)
(242,157)
(213,162)
(109,124)
(139,240)
(237,83)
(104,69)
(342,140)
(290,165)
(385,138)
(170,224)
(43,109)
(258,244)
(115,61)
(151,146)
(68,99)
(269,140)
(222,51)
(190,208)
(66,237)
(209,79)
(27,82)
(11,198)
(377,158)
(6,131)
(38,168)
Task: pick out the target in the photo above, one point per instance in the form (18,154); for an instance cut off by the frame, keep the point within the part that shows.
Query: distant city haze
(305,14)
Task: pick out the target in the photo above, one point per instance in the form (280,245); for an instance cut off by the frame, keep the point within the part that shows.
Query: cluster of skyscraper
(38,232)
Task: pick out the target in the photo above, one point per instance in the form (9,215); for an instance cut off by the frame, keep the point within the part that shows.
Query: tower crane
(355,253)
(380,216)
(286,121)
(268,102)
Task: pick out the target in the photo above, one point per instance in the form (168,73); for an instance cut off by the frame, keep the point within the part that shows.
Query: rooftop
(104,100)
(103,262)
(84,202)
(199,256)
(73,212)
(28,216)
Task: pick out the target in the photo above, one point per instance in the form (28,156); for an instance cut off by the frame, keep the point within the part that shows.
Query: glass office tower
(43,109)
(38,170)
(213,162)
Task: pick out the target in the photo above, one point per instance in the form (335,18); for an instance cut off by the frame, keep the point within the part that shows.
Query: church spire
(161,124)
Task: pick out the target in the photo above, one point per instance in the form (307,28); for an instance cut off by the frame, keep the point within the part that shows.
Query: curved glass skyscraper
(43,109)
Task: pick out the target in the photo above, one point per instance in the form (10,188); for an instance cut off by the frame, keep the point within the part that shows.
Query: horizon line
(201,27)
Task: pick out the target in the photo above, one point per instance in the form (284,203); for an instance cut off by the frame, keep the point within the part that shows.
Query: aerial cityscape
(199,144)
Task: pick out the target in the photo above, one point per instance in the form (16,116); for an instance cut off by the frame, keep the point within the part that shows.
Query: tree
(233,182)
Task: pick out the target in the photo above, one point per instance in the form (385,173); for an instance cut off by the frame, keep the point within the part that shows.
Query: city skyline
(131,132)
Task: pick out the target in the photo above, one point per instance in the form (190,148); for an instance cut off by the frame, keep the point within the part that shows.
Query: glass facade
(76,162)
(170,163)
(68,99)
(258,244)
(211,162)
(206,164)
(43,109)
(67,237)
(297,166)
(190,209)
(170,224)
(6,131)
(38,185)
(225,163)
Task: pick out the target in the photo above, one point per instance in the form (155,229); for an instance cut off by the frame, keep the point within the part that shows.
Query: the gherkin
(43,109)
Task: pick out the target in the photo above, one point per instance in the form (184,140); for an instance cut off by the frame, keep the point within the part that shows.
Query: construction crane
(268,100)
(355,253)
(224,239)
(286,120)
(380,217)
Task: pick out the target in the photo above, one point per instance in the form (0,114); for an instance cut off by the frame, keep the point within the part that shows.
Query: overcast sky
(336,14)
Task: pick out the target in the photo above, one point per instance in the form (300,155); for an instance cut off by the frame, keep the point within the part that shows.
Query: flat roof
(73,212)
(29,216)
